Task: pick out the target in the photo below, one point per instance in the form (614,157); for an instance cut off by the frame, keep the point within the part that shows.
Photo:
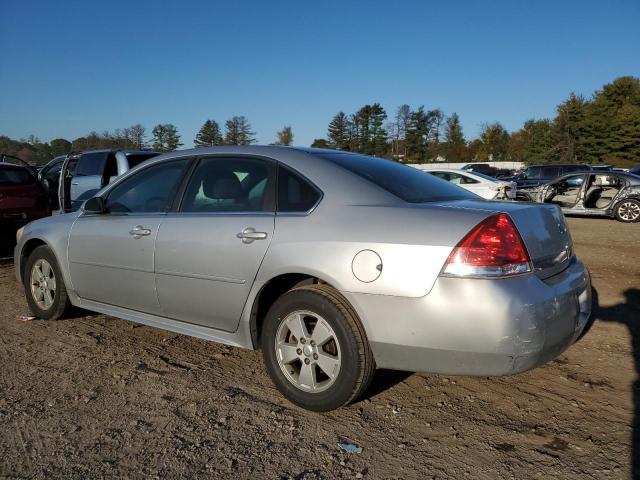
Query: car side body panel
(414,318)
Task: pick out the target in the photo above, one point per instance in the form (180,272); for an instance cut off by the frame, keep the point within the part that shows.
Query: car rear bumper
(478,326)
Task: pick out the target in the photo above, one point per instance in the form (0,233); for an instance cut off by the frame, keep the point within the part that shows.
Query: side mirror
(95,205)
(45,184)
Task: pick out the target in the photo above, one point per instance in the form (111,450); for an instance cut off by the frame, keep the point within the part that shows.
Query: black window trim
(272,166)
(306,179)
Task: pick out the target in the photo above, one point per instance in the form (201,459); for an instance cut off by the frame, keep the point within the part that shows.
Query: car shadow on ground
(382,381)
(628,314)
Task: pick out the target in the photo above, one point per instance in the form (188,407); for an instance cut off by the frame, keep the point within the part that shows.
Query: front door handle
(249,234)
(139,231)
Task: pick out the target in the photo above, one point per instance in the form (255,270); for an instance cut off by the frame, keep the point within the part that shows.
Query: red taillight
(493,248)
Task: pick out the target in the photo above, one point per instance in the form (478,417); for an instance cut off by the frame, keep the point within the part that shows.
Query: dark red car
(22,198)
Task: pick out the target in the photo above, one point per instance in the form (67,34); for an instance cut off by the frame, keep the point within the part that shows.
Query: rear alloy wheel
(315,348)
(44,287)
(628,211)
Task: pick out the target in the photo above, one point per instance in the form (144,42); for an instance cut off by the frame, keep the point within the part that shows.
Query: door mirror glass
(94,205)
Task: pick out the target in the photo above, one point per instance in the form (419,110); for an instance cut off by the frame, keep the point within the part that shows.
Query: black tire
(357,365)
(626,209)
(61,302)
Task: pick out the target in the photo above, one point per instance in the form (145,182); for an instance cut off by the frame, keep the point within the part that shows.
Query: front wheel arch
(27,249)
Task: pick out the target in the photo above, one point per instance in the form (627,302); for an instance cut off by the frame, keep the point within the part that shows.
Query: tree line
(602,128)
(164,138)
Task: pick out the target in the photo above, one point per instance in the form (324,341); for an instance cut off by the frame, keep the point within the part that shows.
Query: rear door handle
(249,234)
(139,231)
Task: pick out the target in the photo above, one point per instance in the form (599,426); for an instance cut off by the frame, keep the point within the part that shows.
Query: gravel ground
(94,396)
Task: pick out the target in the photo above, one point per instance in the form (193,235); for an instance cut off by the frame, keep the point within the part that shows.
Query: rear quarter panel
(413,243)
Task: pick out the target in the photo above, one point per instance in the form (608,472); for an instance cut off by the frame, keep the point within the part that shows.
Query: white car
(478,183)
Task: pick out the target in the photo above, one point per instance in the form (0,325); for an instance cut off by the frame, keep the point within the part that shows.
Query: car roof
(559,165)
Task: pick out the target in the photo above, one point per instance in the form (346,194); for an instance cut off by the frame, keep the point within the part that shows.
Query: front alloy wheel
(44,286)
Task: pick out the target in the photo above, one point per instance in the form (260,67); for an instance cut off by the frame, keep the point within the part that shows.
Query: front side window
(533,173)
(407,183)
(230,185)
(573,181)
(295,194)
(53,172)
(151,190)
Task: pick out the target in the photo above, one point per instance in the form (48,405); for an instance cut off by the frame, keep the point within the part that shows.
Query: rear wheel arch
(270,292)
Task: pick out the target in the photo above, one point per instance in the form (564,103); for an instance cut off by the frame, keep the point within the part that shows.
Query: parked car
(535,175)
(635,170)
(610,194)
(482,185)
(333,263)
(479,167)
(87,172)
(13,160)
(22,199)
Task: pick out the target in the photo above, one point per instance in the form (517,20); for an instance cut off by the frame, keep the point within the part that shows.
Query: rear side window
(91,164)
(15,176)
(549,173)
(295,194)
(407,183)
(151,190)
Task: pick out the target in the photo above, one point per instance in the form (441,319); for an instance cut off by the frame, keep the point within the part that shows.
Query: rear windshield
(407,183)
(15,176)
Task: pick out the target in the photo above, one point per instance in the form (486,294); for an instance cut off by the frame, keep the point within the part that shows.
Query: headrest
(220,183)
(599,181)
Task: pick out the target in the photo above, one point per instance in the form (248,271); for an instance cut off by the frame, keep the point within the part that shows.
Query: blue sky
(69,67)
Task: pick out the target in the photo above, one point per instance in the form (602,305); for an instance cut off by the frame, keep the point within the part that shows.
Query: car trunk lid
(542,228)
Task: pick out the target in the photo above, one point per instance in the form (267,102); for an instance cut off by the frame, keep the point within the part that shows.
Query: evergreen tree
(339,132)
(495,143)
(567,130)
(537,141)
(455,146)
(417,136)
(285,137)
(238,131)
(209,135)
(376,143)
(165,137)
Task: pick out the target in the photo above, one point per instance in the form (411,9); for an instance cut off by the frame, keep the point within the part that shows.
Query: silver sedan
(333,263)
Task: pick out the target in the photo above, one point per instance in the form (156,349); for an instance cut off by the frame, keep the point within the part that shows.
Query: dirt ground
(95,397)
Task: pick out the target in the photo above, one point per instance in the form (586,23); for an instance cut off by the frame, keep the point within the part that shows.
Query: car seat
(593,193)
